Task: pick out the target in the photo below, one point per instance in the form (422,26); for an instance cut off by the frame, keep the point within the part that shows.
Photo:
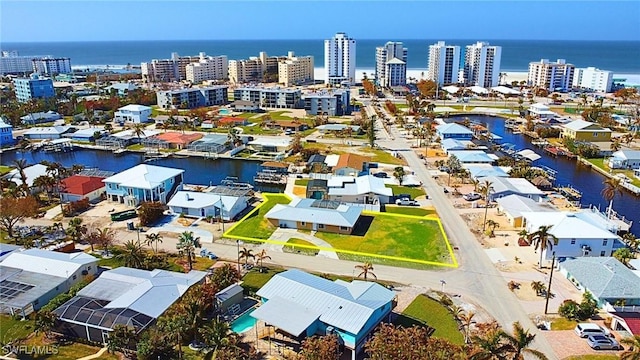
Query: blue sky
(296,19)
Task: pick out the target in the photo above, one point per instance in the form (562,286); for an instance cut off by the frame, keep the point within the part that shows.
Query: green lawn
(409,210)
(413,191)
(384,157)
(5,169)
(302,182)
(298,249)
(563,324)
(254,225)
(254,279)
(12,329)
(135,147)
(424,310)
(599,162)
(70,351)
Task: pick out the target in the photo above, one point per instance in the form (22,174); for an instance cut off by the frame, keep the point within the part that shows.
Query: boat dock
(570,192)
(270,177)
(57,145)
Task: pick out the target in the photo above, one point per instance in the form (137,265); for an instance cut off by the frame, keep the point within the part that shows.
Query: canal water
(589,182)
(199,171)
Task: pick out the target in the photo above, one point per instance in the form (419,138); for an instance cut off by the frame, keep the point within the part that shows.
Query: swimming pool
(224,112)
(244,323)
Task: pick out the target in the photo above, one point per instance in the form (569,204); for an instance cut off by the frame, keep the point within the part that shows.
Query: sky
(94,20)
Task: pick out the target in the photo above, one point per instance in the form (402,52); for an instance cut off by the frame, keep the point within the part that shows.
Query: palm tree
(366,269)
(623,255)
(611,189)
(246,254)
(520,342)
(45,322)
(138,130)
(633,351)
(466,321)
(490,345)
(46,183)
(193,308)
(538,287)
(175,325)
(133,255)
(187,245)
(492,227)
(154,238)
(543,239)
(261,256)
(615,145)
(632,242)
(105,238)
(485,190)
(20,165)
(76,229)
(217,335)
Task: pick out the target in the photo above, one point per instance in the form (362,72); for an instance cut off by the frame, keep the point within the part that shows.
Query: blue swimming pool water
(243,323)
(224,112)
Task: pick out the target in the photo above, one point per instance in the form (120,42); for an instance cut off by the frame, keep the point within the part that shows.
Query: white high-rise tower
(340,60)
(482,64)
(391,64)
(444,63)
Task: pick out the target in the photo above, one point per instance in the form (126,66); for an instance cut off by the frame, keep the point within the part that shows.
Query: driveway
(283,235)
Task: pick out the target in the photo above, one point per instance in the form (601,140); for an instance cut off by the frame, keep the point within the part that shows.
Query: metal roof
(286,315)
(581,125)
(511,185)
(301,210)
(349,185)
(19,288)
(48,262)
(143,176)
(516,204)
(472,156)
(229,292)
(605,277)
(199,200)
(482,170)
(567,225)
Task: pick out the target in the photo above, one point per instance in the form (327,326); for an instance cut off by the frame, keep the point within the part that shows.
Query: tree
(397,342)
(492,225)
(366,269)
(623,255)
(138,130)
(296,144)
(46,183)
(615,145)
(150,212)
(543,239)
(132,255)
(261,256)
(466,321)
(320,348)
(612,188)
(15,210)
(587,308)
(45,322)
(399,173)
(20,165)
(154,238)
(371,131)
(246,254)
(520,342)
(490,343)
(217,335)
(632,242)
(187,244)
(174,324)
(155,344)
(486,188)
(104,237)
(193,307)
(633,350)
(538,287)
(76,229)
(225,275)
(121,338)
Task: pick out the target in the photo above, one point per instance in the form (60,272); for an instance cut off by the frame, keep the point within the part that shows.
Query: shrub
(580,312)
(150,212)
(76,207)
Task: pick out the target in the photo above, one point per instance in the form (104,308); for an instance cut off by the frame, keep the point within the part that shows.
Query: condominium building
(593,79)
(33,87)
(167,70)
(193,97)
(51,66)
(482,64)
(207,68)
(6,133)
(444,63)
(270,97)
(254,68)
(340,60)
(12,63)
(331,103)
(295,70)
(391,64)
(553,76)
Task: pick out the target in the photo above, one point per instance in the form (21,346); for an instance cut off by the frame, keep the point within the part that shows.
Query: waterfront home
(352,165)
(581,130)
(303,305)
(227,122)
(317,189)
(542,183)
(453,131)
(86,135)
(339,128)
(170,140)
(455,144)
(514,205)
(78,187)
(315,215)
(473,156)
(504,186)
(124,138)
(123,296)
(578,233)
(365,189)
(477,171)
(144,183)
(31,278)
(121,89)
(316,164)
(40,118)
(212,143)
(541,111)
(132,113)
(6,133)
(204,204)
(47,133)
(270,144)
(30,172)
(276,167)
(607,279)
(624,159)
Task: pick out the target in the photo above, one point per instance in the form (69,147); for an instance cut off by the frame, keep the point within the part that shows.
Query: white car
(406,202)
(586,329)
(472,196)
(601,342)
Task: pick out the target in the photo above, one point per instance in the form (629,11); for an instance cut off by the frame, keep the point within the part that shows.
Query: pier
(570,192)
(57,145)
(270,177)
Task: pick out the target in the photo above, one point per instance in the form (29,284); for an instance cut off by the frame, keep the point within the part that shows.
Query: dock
(270,177)
(570,192)
(57,145)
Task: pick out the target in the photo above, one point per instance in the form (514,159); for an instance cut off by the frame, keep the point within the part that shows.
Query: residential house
(581,130)
(541,111)
(232,121)
(6,133)
(607,279)
(454,131)
(7,249)
(455,144)
(473,156)
(293,126)
(228,297)
(40,118)
(477,171)
(86,135)
(31,278)
(136,114)
(504,186)
(204,204)
(315,215)
(124,138)
(624,159)
(121,89)
(542,183)
(171,140)
(276,167)
(339,128)
(270,144)
(245,106)
(212,143)
(144,183)
(352,165)
(316,164)
(78,187)
(303,305)
(365,189)
(31,173)
(47,133)
(514,205)
(123,296)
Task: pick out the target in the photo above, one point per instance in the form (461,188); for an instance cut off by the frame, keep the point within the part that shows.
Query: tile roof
(178,138)
(352,161)
(302,210)
(82,185)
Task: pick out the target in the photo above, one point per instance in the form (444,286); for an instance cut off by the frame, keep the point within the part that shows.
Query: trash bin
(130,226)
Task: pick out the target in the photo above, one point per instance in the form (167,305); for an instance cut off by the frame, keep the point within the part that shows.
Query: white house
(514,205)
(133,114)
(624,159)
(31,172)
(143,183)
(541,111)
(473,156)
(203,204)
(366,189)
(504,186)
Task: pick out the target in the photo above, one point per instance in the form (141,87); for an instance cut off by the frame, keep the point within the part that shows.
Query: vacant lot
(254,225)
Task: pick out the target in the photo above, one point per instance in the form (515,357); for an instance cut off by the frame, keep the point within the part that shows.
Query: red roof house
(79,187)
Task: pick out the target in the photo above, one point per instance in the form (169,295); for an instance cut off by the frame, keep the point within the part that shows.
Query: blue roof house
(454,131)
(6,133)
(302,305)
(144,183)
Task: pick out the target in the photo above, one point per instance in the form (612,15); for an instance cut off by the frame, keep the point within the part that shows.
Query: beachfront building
(254,68)
(593,79)
(125,296)
(132,114)
(207,68)
(190,98)
(51,66)
(78,187)
(204,204)
(303,305)
(351,165)
(365,189)
(552,76)
(31,278)
(444,63)
(33,87)
(505,186)
(580,130)
(624,159)
(327,102)
(13,63)
(6,133)
(453,131)
(144,183)
(391,65)
(40,118)
(295,70)
(315,215)
(482,65)
(167,70)
(271,97)
(340,60)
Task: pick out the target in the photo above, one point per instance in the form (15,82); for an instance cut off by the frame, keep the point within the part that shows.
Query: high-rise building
(340,60)
(593,79)
(33,87)
(254,68)
(391,64)
(167,70)
(444,63)
(207,68)
(193,97)
(12,63)
(295,70)
(51,66)
(553,76)
(482,64)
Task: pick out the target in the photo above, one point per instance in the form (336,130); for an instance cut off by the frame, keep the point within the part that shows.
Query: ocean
(621,57)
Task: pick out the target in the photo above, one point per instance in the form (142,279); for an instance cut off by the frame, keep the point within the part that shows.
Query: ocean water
(621,57)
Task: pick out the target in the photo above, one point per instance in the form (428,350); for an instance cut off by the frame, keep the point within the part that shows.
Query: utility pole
(553,263)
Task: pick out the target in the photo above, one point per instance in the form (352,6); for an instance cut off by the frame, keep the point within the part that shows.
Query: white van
(585,329)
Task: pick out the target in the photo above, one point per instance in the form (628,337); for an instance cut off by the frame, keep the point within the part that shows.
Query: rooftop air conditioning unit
(330,330)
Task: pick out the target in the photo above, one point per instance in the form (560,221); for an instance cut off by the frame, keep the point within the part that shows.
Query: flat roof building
(482,64)
(207,68)
(193,97)
(33,87)
(340,60)
(444,63)
(295,70)
(391,64)
(552,76)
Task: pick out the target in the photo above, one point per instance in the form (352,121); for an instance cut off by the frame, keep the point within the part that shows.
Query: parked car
(586,329)
(601,342)
(406,202)
(472,196)
(382,175)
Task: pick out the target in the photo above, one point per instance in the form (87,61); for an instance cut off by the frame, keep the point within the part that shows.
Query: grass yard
(302,182)
(629,173)
(254,279)
(5,169)
(135,147)
(410,210)
(382,156)
(254,225)
(70,351)
(424,310)
(300,250)
(414,192)
(563,324)
(12,329)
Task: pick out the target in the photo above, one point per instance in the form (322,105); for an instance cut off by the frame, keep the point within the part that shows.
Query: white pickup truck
(406,202)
